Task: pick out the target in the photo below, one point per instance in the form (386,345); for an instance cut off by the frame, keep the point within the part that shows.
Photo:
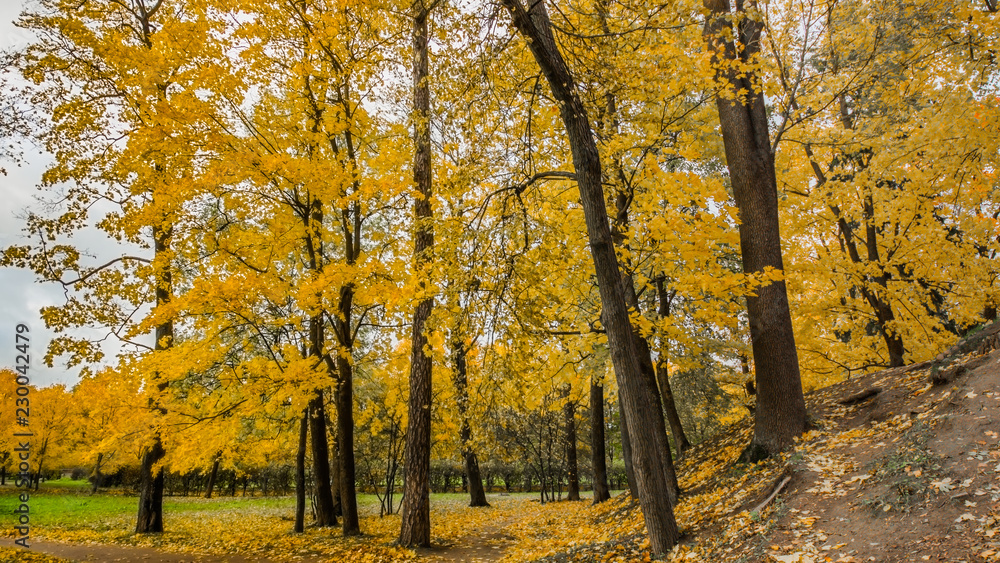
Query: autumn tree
(654,492)
(875,164)
(117,137)
(416,524)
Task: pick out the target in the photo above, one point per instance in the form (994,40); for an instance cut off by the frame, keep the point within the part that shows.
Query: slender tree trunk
(641,345)
(633,487)
(654,492)
(95,477)
(646,450)
(648,373)
(663,376)
(884,316)
(300,474)
(572,467)
(336,482)
(321,461)
(598,454)
(473,478)
(345,437)
(211,478)
(415,528)
(781,414)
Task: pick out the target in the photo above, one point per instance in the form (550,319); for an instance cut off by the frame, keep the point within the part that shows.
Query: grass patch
(905,473)
(64,505)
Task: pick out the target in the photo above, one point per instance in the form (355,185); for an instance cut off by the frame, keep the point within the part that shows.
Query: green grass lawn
(68,505)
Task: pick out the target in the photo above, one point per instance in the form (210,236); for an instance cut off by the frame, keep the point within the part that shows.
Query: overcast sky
(21,297)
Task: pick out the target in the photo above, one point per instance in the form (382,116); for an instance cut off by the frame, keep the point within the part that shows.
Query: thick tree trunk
(321,461)
(663,376)
(781,414)
(345,437)
(415,528)
(572,467)
(597,447)
(473,478)
(150,516)
(300,474)
(211,478)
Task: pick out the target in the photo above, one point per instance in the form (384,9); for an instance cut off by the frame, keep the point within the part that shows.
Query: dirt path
(115,553)
(485,546)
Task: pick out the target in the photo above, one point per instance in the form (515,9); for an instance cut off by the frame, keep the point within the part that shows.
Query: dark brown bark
(300,474)
(646,370)
(533,23)
(95,477)
(415,529)
(473,478)
(336,482)
(345,438)
(660,426)
(633,487)
(569,432)
(663,375)
(149,519)
(321,461)
(619,229)
(780,413)
(597,446)
(212,476)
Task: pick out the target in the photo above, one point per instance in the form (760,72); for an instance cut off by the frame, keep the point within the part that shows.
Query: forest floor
(896,468)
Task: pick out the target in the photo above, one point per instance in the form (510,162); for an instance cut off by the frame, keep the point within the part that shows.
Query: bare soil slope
(904,466)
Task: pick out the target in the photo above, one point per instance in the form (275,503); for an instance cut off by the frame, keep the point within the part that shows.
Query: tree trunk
(95,477)
(150,517)
(572,467)
(473,478)
(415,528)
(345,437)
(663,376)
(654,491)
(336,482)
(648,373)
(211,478)
(884,315)
(633,487)
(321,461)
(300,474)
(598,454)
(781,414)
(641,345)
